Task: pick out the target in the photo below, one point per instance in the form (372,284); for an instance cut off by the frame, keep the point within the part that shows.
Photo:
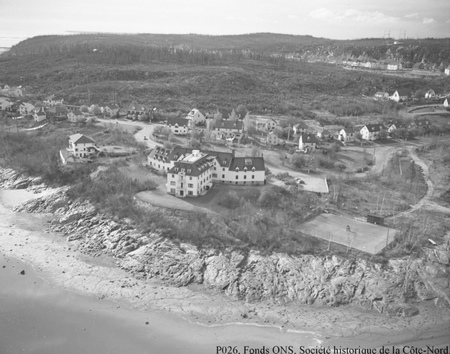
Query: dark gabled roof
(58,109)
(224,158)
(230,124)
(112,106)
(374,127)
(81,139)
(404,92)
(167,155)
(194,169)
(308,138)
(249,162)
(349,130)
(76,112)
(179,121)
(301,125)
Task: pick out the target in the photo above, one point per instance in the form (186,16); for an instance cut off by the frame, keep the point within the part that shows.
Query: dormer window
(189,171)
(245,169)
(253,169)
(237,169)
(176,169)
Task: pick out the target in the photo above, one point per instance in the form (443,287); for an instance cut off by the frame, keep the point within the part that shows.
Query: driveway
(145,131)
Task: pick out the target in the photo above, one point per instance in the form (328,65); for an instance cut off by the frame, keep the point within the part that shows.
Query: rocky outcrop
(10,179)
(249,275)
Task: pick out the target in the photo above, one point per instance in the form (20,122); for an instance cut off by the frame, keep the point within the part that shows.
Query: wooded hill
(177,72)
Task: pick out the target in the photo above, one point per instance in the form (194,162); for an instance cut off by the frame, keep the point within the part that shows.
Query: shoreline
(24,236)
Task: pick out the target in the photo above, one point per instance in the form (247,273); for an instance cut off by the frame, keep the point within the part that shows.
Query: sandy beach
(70,301)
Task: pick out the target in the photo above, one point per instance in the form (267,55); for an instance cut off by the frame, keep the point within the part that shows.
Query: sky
(336,19)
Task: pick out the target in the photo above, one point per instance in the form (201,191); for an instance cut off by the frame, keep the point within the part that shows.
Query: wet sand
(68,302)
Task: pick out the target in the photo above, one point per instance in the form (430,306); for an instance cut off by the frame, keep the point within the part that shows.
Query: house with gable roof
(371,131)
(76,116)
(26,108)
(81,145)
(401,95)
(394,65)
(229,128)
(272,139)
(308,142)
(347,135)
(135,110)
(111,110)
(196,117)
(179,126)
(39,115)
(58,112)
(430,94)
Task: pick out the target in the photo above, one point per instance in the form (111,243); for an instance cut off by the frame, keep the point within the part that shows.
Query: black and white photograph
(224,177)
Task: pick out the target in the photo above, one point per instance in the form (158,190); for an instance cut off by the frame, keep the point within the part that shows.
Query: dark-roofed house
(111,110)
(190,176)
(229,128)
(246,171)
(81,145)
(401,95)
(39,115)
(371,131)
(136,110)
(58,112)
(307,142)
(179,126)
(75,116)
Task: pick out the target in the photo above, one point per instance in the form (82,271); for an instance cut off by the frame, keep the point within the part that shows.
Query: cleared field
(362,236)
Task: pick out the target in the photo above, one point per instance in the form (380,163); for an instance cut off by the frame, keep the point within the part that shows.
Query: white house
(347,135)
(447,70)
(179,126)
(39,115)
(81,145)
(371,131)
(401,95)
(430,94)
(446,105)
(191,176)
(26,108)
(196,117)
(394,65)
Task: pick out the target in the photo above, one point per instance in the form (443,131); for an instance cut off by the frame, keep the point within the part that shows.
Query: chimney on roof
(233,152)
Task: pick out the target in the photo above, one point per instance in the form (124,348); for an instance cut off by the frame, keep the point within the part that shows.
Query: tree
(195,143)
(383,134)
(255,151)
(298,160)
(84,109)
(359,137)
(241,110)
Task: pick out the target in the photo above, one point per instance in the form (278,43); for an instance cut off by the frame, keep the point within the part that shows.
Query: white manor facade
(192,173)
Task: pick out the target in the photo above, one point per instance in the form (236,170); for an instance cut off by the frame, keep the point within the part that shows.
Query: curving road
(145,131)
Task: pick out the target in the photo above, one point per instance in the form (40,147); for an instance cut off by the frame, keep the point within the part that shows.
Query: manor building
(224,168)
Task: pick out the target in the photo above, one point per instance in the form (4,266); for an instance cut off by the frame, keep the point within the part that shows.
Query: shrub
(229,201)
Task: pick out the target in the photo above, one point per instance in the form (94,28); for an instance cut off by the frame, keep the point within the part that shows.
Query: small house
(394,65)
(111,110)
(229,128)
(272,139)
(179,126)
(381,96)
(196,117)
(307,142)
(26,108)
(39,115)
(347,135)
(401,95)
(76,117)
(371,132)
(430,94)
